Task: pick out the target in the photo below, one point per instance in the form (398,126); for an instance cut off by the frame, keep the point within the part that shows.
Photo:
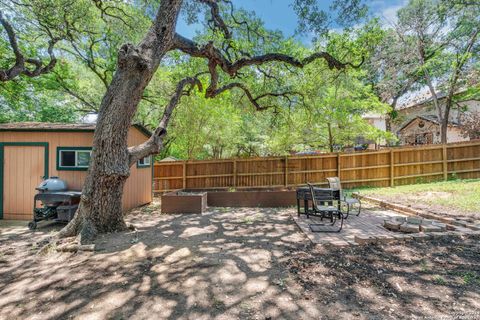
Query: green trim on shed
(60,168)
(20,144)
(152,182)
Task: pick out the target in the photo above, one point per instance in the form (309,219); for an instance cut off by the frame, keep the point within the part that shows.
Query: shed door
(22,173)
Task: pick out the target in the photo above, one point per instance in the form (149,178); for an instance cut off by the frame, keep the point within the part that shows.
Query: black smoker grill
(57,202)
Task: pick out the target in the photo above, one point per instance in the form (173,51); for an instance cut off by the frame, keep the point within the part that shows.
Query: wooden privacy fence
(388,167)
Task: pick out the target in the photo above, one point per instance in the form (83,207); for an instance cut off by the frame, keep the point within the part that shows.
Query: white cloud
(388,14)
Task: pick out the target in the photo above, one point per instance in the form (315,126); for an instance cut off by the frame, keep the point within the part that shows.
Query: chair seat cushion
(351,200)
(327,208)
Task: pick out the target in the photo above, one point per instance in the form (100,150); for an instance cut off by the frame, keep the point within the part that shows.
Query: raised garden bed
(184,202)
(261,198)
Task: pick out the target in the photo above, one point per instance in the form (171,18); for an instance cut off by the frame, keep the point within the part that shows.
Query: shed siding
(138,189)
(24,167)
(139,192)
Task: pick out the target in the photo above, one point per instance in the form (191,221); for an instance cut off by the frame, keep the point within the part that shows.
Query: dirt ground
(234,264)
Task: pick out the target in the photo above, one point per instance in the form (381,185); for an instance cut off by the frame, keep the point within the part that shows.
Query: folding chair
(323,207)
(353,205)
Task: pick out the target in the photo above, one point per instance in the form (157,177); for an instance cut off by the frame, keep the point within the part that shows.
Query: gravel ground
(242,263)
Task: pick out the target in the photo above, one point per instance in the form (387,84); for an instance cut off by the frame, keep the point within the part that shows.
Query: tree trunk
(330,136)
(100,208)
(446,115)
(389,116)
(444,131)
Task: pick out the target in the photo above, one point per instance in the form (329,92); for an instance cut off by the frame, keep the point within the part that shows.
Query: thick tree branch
(214,55)
(217,59)
(155,143)
(20,66)
(255,101)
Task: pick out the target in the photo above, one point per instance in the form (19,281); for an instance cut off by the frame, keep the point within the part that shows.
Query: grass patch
(424,265)
(470,278)
(459,195)
(439,280)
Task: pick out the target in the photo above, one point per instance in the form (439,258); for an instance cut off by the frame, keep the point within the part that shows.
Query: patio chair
(353,205)
(324,207)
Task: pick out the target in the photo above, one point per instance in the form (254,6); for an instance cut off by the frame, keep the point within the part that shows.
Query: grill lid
(52,184)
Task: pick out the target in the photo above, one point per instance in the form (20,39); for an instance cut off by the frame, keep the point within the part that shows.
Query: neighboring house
(31,151)
(426,130)
(422,112)
(378,121)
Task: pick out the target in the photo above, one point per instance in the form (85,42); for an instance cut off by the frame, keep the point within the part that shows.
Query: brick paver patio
(367,228)
(368,224)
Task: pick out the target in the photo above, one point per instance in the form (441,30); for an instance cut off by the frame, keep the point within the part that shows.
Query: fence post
(286,171)
(339,168)
(235,173)
(445,163)
(392,169)
(184,175)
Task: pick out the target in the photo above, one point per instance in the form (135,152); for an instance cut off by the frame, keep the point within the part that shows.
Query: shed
(30,151)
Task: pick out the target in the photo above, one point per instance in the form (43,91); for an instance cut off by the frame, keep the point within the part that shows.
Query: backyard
(234,263)
(239,159)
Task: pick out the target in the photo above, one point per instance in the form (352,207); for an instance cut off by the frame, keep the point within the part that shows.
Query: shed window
(67,158)
(144,162)
(73,158)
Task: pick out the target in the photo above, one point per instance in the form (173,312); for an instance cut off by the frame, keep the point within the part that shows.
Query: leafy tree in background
(471,125)
(34,98)
(391,72)
(71,43)
(205,129)
(293,124)
(440,40)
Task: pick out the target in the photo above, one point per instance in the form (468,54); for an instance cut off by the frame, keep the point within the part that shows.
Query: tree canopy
(65,55)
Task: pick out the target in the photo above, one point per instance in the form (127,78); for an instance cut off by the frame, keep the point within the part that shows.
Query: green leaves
(314,19)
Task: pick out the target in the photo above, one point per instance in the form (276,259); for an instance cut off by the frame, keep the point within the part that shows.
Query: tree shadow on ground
(240,263)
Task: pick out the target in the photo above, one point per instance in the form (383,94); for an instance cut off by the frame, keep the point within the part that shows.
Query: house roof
(54,126)
(429,118)
(169,158)
(424,98)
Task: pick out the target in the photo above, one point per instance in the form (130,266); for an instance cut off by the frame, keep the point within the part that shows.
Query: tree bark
(100,208)
(330,136)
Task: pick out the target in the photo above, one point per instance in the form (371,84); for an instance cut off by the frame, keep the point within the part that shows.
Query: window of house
(144,162)
(419,139)
(74,158)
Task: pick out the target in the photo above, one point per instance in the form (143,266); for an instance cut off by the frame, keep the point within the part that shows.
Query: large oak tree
(100,207)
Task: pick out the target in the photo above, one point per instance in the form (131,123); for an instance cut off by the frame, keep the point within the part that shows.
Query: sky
(279,15)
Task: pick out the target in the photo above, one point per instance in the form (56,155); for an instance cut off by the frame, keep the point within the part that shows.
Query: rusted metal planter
(184,202)
(252,198)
